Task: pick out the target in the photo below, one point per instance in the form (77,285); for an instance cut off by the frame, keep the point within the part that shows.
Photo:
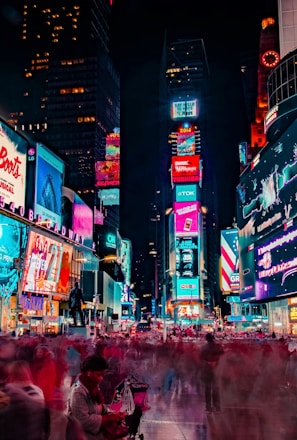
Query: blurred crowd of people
(37,375)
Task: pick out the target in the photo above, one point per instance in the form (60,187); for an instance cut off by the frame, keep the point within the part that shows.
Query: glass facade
(282,82)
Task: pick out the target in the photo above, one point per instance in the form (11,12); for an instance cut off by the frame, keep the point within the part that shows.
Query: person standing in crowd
(85,401)
(22,414)
(75,300)
(210,354)
(44,372)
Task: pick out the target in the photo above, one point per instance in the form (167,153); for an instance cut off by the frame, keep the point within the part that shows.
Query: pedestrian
(86,401)
(22,415)
(44,372)
(75,300)
(19,374)
(210,354)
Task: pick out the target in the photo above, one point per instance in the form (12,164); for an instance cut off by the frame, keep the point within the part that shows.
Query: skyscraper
(71,89)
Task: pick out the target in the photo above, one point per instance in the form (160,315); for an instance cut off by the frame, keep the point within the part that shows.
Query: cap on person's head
(209,337)
(93,363)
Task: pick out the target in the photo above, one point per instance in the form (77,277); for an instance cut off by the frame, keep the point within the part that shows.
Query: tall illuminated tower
(268,59)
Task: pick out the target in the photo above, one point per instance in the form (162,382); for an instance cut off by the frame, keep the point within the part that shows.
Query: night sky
(230,33)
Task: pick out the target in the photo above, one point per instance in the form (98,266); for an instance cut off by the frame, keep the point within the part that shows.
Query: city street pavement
(182,417)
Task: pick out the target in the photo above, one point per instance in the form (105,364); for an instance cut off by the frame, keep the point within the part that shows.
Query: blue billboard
(267,200)
(13,242)
(48,188)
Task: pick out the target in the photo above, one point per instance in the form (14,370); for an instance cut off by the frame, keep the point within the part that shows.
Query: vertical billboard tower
(268,59)
(187,71)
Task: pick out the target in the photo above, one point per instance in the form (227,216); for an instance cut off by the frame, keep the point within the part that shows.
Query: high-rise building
(196,246)
(70,96)
(287,19)
(268,59)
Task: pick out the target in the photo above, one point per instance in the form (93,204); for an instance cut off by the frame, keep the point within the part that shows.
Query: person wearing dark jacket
(75,300)
(210,355)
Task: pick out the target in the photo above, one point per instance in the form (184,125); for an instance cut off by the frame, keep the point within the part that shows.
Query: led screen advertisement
(186,249)
(126,259)
(107,173)
(186,218)
(184,109)
(110,196)
(266,199)
(47,265)
(13,240)
(187,193)
(185,142)
(112,146)
(187,289)
(267,193)
(13,163)
(276,265)
(185,168)
(229,260)
(82,220)
(48,187)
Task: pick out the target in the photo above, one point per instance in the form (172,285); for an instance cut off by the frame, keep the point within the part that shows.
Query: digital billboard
(13,239)
(112,149)
(107,173)
(186,217)
(267,195)
(82,220)
(110,196)
(13,163)
(267,200)
(48,185)
(229,260)
(185,109)
(185,168)
(47,265)
(187,193)
(126,259)
(185,142)
(186,249)
(276,265)
(187,289)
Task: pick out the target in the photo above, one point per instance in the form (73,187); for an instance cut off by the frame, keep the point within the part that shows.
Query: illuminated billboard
(276,265)
(267,192)
(229,260)
(186,249)
(82,220)
(266,200)
(13,237)
(47,265)
(126,259)
(107,173)
(184,109)
(13,163)
(185,142)
(109,197)
(186,217)
(48,185)
(185,168)
(187,289)
(186,193)
(112,149)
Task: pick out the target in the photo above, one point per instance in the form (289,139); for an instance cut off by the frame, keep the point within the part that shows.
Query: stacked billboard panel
(185,176)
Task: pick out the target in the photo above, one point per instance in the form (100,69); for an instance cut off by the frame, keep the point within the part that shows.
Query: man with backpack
(75,300)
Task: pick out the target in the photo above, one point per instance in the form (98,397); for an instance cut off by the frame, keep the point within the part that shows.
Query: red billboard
(185,168)
(107,173)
